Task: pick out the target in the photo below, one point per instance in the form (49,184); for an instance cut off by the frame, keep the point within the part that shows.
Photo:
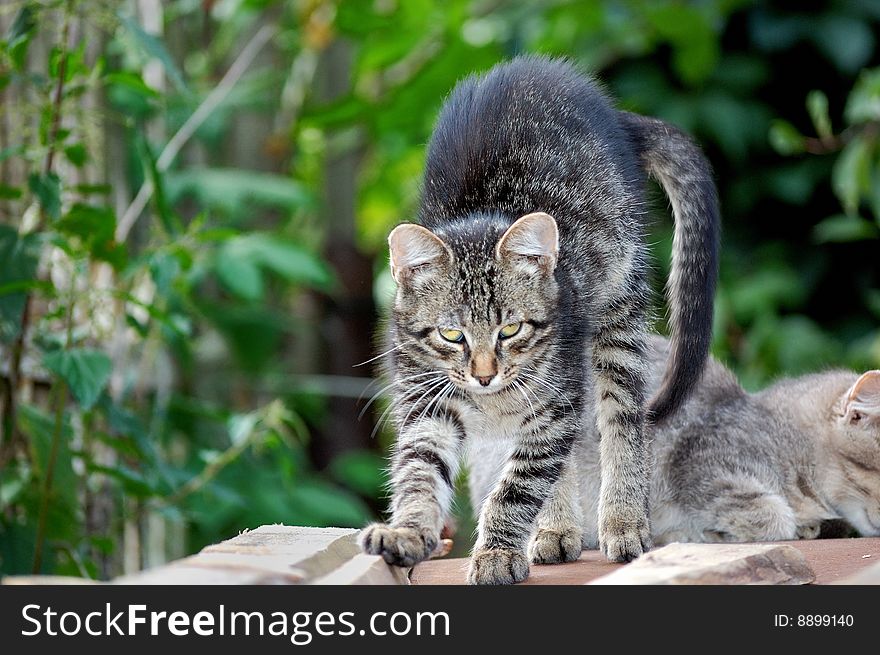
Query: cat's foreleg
(560,536)
(423,472)
(619,364)
(509,512)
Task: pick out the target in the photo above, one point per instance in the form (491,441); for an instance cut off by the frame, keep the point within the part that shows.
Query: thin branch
(836,142)
(189,128)
(211,471)
(61,397)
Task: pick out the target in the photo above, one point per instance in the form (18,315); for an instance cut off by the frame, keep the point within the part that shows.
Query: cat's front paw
(498,566)
(397,545)
(556,546)
(624,540)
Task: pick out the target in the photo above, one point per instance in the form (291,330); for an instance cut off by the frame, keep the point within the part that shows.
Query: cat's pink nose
(484,380)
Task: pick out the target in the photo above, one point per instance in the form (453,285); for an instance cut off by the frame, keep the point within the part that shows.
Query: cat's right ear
(532,241)
(862,402)
(415,250)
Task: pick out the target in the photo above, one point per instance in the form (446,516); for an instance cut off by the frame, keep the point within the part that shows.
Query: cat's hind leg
(745,511)
(559,537)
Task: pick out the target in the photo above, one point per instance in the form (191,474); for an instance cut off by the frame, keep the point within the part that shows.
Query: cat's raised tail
(670,157)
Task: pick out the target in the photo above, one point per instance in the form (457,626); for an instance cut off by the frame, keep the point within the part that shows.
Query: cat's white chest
(487,425)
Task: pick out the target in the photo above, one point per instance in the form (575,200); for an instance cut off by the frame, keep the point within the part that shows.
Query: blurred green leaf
(21,31)
(843,228)
(233,190)
(241,427)
(47,188)
(24,23)
(693,38)
(241,277)
(863,104)
(76,154)
(132,481)
(240,260)
(361,470)
(86,372)
(94,226)
(128,93)
(9,192)
(785,138)
(289,260)
(10,488)
(846,40)
(19,256)
(817,107)
(155,48)
(39,427)
(764,291)
(851,175)
(10,151)
(87,222)
(93,189)
(803,347)
(318,503)
(168,219)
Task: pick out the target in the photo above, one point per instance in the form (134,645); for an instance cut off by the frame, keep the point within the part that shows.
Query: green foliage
(241,261)
(145,444)
(85,372)
(19,256)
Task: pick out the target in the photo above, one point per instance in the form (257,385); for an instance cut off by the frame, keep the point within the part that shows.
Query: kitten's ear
(414,248)
(862,402)
(532,240)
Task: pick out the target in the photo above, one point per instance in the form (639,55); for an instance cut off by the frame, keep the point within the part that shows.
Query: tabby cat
(732,466)
(524,281)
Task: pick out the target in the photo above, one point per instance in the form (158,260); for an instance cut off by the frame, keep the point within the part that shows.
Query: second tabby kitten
(525,283)
(735,466)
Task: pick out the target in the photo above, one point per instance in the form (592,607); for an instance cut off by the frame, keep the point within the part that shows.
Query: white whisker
(415,404)
(387,411)
(393,384)
(544,383)
(520,386)
(390,350)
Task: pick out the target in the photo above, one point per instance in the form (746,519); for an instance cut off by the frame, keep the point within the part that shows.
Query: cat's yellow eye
(509,330)
(455,336)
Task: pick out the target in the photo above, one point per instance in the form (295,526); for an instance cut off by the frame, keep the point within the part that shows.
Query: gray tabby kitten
(734,466)
(525,280)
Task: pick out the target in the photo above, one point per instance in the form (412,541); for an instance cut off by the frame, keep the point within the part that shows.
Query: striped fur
(533,138)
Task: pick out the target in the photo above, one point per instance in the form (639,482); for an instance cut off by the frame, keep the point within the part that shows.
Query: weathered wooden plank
(717,564)
(365,570)
(270,554)
(47,580)
(867,576)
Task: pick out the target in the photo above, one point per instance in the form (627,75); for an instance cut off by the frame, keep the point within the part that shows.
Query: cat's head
(855,440)
(476,299)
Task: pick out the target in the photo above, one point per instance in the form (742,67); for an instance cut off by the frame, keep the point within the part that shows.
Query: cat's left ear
(533,241)
(415,251)
(862,402)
